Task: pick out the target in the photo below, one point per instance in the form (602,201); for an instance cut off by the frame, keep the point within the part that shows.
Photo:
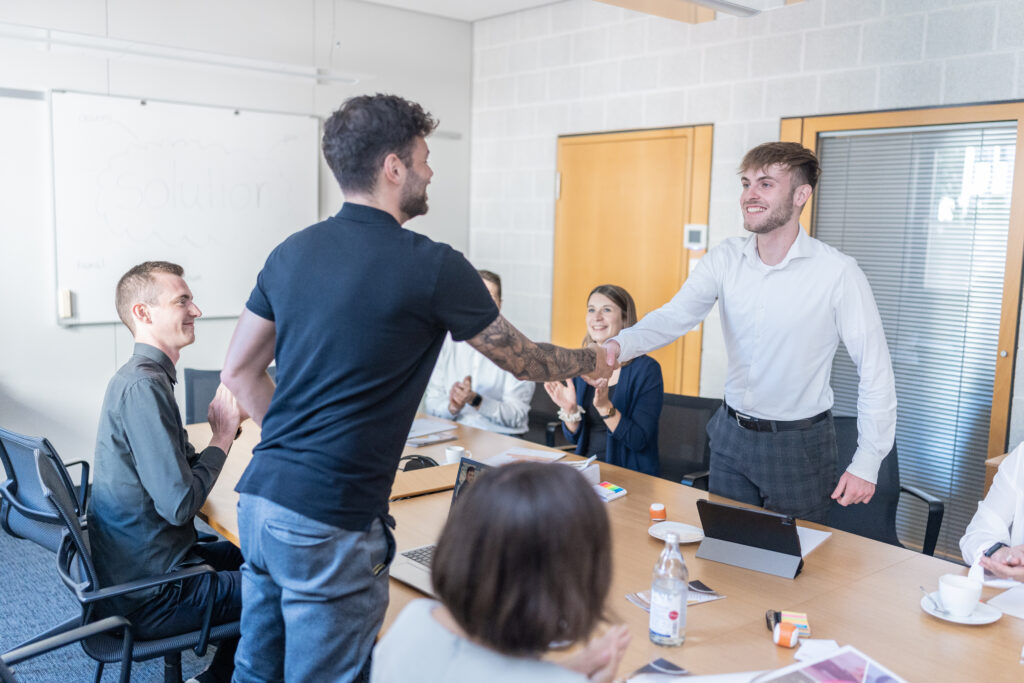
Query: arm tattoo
(514,352)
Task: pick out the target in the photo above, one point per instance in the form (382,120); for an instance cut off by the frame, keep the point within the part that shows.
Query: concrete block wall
(581,67)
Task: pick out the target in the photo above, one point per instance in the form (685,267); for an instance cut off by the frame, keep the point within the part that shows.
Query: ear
(393,170)
(802,194)
(140,312)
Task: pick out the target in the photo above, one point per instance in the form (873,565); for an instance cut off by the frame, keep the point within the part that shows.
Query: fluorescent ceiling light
(113,47)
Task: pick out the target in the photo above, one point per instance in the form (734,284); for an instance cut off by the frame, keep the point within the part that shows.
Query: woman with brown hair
(617,419)
(524,561)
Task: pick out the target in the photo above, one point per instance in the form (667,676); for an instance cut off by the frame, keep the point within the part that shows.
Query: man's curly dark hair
(364,130)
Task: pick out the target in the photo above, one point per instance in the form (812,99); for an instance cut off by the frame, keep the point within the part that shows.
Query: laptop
(753,539)
(412,567)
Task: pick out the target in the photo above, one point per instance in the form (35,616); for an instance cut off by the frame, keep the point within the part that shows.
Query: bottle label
(668,613)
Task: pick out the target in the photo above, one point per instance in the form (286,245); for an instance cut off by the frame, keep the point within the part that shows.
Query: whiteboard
(212,189)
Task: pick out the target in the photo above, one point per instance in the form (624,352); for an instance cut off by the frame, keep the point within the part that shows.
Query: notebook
(412,566)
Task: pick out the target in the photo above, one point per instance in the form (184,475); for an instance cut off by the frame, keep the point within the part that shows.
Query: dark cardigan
(638,397)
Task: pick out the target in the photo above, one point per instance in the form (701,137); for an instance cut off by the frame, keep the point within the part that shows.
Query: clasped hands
(461,393)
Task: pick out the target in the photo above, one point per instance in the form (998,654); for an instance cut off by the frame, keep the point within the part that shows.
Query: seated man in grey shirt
(149,481)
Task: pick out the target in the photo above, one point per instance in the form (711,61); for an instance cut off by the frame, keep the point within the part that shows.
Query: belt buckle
(740,417)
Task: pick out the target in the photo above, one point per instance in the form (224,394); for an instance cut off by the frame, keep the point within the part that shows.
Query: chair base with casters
(103,627)
(877,519)
(78,572)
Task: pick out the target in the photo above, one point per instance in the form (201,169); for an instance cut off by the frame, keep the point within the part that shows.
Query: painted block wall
(583,67)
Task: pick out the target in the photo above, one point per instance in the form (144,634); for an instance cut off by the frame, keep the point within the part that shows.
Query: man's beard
(413,201)
(778,217)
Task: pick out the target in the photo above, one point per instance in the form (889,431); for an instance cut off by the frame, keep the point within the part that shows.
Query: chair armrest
(698,480)
(34,515)
(60,640)
(89,597)
(936,510)
(83,492)
(550,429)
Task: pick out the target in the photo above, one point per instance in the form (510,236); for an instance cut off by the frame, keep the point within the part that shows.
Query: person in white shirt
(524,562)
(786,301)
(468,388)
(995,537)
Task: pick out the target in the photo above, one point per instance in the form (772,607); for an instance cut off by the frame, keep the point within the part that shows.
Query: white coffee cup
(959,594)
(452,454)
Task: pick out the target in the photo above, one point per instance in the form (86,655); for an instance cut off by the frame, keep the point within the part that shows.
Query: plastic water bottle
(668,595)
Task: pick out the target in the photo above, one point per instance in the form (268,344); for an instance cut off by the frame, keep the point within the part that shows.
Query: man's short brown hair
(525,559)
(138,284)
(794,156)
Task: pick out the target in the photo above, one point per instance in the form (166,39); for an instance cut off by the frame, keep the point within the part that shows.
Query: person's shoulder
(830,254)
(646,364)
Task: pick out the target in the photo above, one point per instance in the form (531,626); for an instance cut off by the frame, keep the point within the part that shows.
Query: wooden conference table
(856,591)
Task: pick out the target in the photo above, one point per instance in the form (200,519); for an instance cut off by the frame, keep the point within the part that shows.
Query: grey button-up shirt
(148,481)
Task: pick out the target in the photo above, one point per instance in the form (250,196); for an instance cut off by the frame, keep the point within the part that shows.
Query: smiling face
(413,201)
(168,321)
(769,199)
(604,318)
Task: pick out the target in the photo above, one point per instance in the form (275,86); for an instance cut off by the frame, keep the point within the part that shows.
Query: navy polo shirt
(360,307)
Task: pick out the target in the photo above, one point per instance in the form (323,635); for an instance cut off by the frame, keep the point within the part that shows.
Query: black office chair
(684,451)
(200,388)
(26,652)
(543,424)
(78,572)
(24,512)
(877,519)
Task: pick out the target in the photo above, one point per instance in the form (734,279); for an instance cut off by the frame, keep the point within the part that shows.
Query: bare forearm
(512,351)
(253,394)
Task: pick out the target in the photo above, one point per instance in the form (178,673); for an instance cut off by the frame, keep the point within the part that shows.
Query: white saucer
(982,614)
(687,533)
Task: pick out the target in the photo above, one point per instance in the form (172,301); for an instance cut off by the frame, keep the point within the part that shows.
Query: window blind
(925,211)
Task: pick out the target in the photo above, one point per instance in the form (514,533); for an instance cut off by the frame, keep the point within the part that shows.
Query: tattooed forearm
(512,351)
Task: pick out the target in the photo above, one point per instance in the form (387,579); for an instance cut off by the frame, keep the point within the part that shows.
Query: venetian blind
(925,211)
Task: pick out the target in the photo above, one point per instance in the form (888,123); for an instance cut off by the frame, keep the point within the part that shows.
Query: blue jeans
(313,595)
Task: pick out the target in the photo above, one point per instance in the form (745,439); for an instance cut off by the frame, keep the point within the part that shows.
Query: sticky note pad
(798,619)
(609,491)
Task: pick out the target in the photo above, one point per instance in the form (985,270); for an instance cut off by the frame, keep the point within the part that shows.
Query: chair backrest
(26,512)
(542,411)
(876,519)
(74,559)
(682,436)
(200,388)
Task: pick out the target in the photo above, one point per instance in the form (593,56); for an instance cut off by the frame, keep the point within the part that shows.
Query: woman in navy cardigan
(617,418)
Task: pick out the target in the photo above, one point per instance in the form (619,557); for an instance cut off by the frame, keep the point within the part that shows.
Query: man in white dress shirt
(786,301)
(468,388)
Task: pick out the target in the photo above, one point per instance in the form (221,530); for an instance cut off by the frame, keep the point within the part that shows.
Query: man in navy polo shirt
(354,310)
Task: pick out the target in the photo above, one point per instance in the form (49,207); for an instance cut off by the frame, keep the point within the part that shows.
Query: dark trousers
(791,472)
(180,606)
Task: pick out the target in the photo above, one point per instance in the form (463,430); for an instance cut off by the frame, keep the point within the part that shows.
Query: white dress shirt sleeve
(513,410)
(682,313)
(1000,517)
(435,400)
(860,327)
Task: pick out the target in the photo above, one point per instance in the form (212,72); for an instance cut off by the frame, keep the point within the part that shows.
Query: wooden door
(623,203)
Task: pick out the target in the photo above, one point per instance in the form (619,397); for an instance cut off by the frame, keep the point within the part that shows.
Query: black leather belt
(761,425)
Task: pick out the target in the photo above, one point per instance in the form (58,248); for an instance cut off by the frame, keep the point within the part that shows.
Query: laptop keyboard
(424,555)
